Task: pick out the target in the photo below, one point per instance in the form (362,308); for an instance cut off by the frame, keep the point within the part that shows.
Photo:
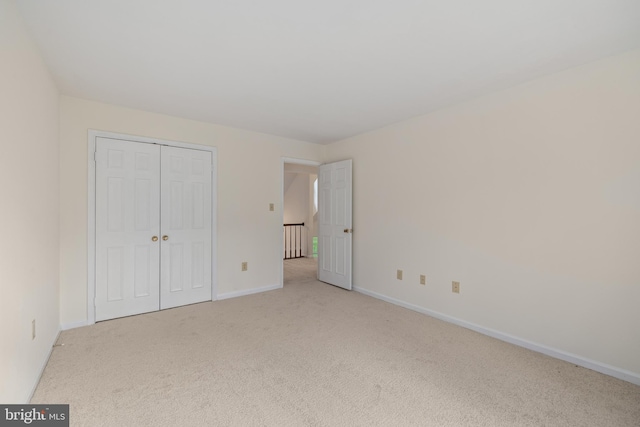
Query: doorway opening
(300,221)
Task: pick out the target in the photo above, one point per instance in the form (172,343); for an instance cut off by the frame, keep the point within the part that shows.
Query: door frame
(295,161)
(91,208)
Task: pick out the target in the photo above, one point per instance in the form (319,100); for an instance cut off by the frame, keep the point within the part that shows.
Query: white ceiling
(319,70)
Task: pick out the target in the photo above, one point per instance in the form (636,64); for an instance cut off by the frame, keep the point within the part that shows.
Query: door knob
(154,239)
(165,237)
(348,230)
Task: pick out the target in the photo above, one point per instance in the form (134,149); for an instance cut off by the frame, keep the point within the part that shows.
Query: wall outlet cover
(455,287)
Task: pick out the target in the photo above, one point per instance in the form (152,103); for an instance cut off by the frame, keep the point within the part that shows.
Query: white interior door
(127,228)
(335,223)
(186,227)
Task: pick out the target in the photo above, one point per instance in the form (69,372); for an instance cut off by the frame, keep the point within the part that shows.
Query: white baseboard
(235,294)
(227,295)
(44,365)
(603,368)
(73,325)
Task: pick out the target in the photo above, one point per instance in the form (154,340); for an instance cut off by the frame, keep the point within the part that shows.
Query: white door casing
(186,226)
(335,231)
(127,220)
(127,210)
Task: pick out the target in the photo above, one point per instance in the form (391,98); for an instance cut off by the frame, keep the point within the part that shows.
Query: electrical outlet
(272,207)
(245,266)
(455,287)
(33,329)
(423,279)
(399,274)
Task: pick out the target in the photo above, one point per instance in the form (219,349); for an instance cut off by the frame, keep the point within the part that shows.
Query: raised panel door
(127,219)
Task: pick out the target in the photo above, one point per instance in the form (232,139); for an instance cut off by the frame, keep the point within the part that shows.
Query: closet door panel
(185,276)
(127,219)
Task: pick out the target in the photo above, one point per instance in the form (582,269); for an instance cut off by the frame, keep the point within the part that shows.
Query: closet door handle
(154,239)
(165,238)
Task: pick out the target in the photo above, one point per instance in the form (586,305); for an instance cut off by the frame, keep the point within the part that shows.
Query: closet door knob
(165,237)
(154,239)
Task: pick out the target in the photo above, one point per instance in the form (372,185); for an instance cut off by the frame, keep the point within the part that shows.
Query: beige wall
(529,197)
(28,209)
(296,200)
(249,178)
(298,205)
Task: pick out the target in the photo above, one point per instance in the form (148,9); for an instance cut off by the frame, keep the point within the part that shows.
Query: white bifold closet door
(185,224)
(153,227)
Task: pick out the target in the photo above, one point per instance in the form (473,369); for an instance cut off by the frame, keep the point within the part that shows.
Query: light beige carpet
(311,354)
(300,270)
